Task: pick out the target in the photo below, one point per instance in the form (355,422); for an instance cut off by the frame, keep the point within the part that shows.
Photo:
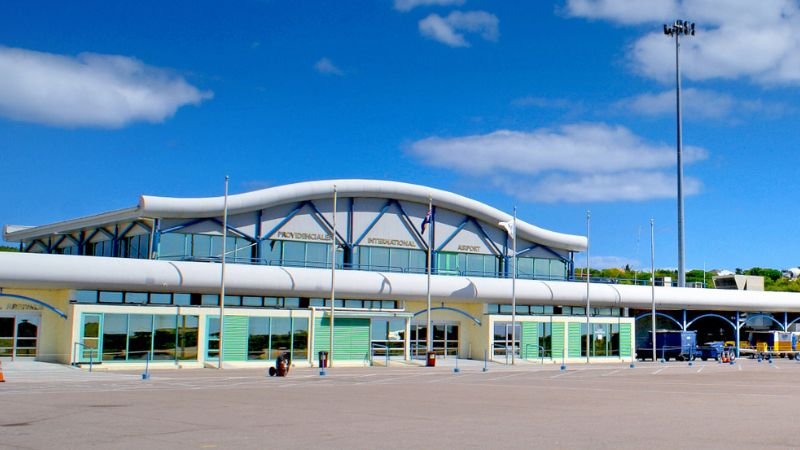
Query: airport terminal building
(144,282)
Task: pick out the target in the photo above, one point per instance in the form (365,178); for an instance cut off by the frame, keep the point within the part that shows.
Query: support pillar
(738,327)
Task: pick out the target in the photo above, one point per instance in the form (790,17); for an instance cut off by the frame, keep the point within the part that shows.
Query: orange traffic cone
(2,380)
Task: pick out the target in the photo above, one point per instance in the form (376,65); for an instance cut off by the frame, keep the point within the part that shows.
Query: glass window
(353,304)
(115,333)
(398,258)
(233,300)
(379,258)
(545,339)
(210,300)
(294,253)
(165,337)
(541,268)
(187,337)
(181,299)
(299,338)
(85,296)
(271,252)
(525,268)
(244,251)
(558,269)
(417,261)
(201,246)
(317,302)
(213,337)
(110,297)
(505,309)
(162,298)
(281,332)
(172,246)
(258,341)
(136,297)
(272,302)
(216,247)
(317,255)
(389,304)
(251,301)
(140,335)
(438,332)
(291,302)
(492,309)
(91,336)
(475,265)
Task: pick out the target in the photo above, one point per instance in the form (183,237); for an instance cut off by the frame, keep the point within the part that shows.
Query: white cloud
(326,66)
(90,90)
(623,11)
(755,40)
(408,5)
(698,104)
(450,30)
(574,163)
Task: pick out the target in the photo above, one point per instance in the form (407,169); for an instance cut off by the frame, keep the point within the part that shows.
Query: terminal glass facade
(132,337)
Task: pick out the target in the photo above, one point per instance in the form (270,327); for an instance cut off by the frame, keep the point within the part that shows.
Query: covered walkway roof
(26,270)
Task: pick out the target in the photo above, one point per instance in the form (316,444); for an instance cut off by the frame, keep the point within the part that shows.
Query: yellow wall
(54,331)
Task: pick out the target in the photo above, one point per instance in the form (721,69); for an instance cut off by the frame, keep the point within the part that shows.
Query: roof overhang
(24,270)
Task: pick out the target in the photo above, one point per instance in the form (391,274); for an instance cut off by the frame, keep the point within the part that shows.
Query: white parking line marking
(562,374)
(504,377)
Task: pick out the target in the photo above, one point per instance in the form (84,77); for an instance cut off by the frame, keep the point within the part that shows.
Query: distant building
(792,273)
(739,282)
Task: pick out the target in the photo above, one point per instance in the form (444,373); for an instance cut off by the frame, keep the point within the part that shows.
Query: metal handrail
(541,351)
(373,346)
(77,358)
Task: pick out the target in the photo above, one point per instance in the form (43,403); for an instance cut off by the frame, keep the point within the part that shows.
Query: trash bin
(431,361)
(323,360)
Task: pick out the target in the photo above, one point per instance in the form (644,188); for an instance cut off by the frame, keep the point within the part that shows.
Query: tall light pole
(680,27)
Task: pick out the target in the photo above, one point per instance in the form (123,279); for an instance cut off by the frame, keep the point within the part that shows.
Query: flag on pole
(425,221)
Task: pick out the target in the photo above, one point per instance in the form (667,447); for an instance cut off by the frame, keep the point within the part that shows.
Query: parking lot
(654,405)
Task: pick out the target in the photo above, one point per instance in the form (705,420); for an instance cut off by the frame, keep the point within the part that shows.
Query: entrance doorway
(445,338)
(19,335)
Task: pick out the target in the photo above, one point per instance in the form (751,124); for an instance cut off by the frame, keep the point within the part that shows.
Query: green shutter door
(350,338)
(530,340)
(235,336)
(625,339)
(574,350)
(558,339)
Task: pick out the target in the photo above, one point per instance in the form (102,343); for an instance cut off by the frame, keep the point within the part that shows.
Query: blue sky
(556,107)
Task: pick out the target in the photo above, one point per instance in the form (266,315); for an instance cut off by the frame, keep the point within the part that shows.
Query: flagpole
(333,277)
(428,342)
(514,288)
(588,277)
(222,272)
(653,287)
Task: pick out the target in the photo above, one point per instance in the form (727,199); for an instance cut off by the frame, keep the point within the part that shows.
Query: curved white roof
(171,207)
(213,206)
(27,270)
